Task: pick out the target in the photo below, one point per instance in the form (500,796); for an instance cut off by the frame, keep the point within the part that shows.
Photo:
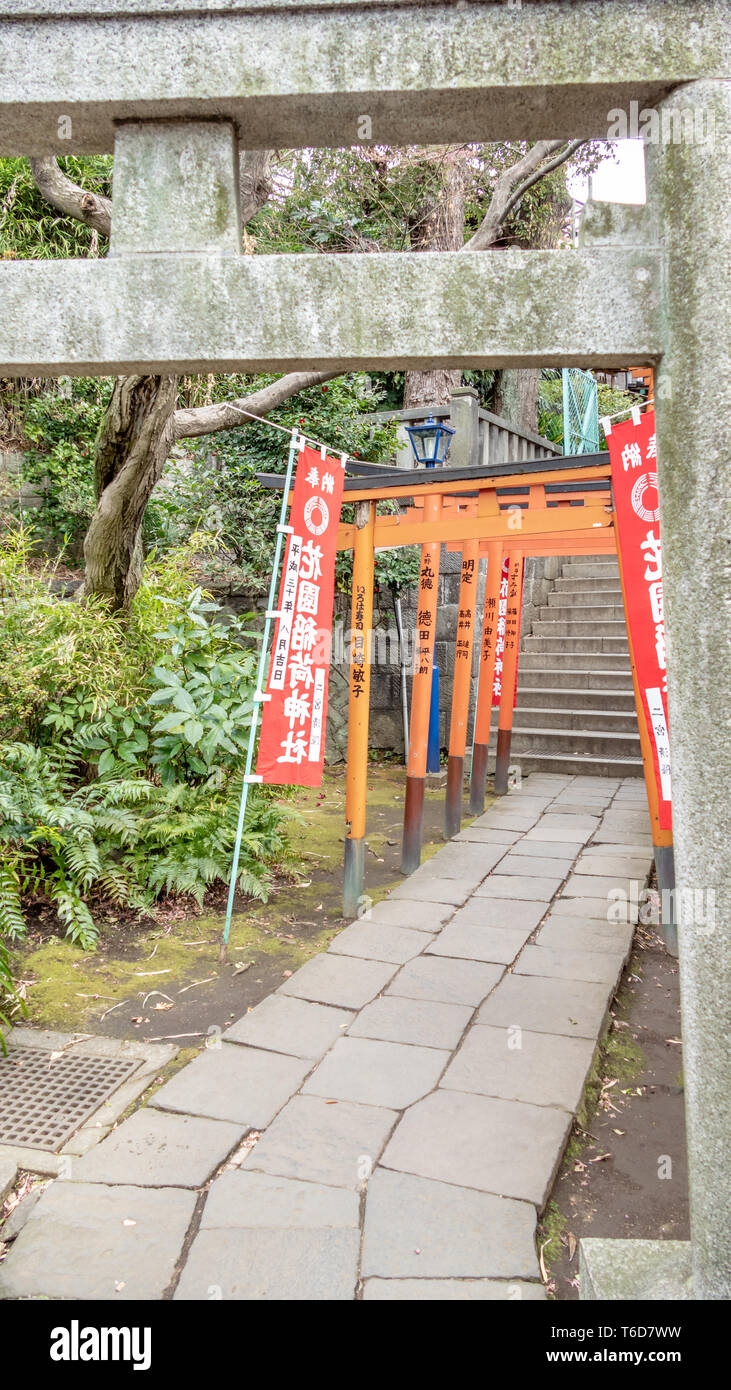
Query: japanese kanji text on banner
(633,455)
(497,628)
(292,742)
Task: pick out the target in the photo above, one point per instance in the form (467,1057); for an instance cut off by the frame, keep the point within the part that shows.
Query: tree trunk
(515,397)
(131,449)
(438,226)
(515,394)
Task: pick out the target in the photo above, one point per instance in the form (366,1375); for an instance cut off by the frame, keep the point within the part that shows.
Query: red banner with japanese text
(292,740)
(633,455)
(500,622)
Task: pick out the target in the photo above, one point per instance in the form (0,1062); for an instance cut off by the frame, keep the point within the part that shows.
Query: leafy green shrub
(124,840)
(120,776)
(11,1003)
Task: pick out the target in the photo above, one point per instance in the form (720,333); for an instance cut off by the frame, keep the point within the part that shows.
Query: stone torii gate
(175,94)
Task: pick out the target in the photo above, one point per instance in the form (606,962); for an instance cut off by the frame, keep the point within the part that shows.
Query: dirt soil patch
(163,979)
(625,1175)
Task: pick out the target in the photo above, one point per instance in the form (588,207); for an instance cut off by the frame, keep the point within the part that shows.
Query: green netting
(568,411)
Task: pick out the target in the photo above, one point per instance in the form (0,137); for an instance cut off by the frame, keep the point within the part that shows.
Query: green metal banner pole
(282,530)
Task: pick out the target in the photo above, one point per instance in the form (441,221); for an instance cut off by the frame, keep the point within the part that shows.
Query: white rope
(632,410)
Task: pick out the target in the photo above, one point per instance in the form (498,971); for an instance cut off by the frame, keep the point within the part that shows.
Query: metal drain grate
(43,1101)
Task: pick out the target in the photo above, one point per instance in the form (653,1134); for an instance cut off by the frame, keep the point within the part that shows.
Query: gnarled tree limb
(209,419)
(93,209)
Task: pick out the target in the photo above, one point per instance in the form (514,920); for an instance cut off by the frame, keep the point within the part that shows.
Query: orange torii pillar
(426,620)
(478,771)
(510,666)
(461,687)
(361,625)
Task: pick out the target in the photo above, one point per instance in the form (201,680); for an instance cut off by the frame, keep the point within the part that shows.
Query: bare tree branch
(92,209)
(543,157)
(209,419)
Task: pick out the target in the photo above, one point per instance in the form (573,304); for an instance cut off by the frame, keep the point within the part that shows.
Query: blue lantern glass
(430,442)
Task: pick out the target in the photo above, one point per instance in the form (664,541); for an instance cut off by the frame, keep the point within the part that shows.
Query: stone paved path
(414,1087)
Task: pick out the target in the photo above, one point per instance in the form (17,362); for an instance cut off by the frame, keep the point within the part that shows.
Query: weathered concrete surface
(291,75)
(199,313)
(410,1224)
(176,188)
(635,1269)
(84,1240)
(691,184)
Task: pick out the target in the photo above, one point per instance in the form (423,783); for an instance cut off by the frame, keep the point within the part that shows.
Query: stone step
(605,585)
(536,716)
(569,612)
(587,742)
(583,569)
(562,637)
(536,696)
(574,766)
(573,678)
(585,598)
(577,661)
(587,646)
(591,571)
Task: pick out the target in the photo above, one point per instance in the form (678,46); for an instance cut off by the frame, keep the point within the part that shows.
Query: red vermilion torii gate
(513,510)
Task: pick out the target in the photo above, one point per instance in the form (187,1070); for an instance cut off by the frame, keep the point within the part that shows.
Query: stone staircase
(576,710)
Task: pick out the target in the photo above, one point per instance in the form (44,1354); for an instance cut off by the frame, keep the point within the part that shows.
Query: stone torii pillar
(689,185)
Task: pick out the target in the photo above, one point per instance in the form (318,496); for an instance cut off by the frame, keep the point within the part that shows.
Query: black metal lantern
(430,442)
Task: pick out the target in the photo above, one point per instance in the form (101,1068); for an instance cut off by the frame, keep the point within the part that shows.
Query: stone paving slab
(534,866)
(286,1266)
(595,885)
(319,1142)
(429,888)
(255,1200)
(372,1072)
(347,982)
(86,1241)
(546,849)
(604,864)
(497,944)
(607,849)
(512,913)
(483,835)
(563,826)
(230,1082)
(379,941)
(498,818)
(623,834)
(598,909)
(449,1290)
(467,862)
(582,809)
(598,966)
(571,934)
(445,980)
(499,1146)
(575,1008)
(281,1023)
(153,1149)
(515,1064)
(417,916)
(523,886)
(410,1224)
(422,1023)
